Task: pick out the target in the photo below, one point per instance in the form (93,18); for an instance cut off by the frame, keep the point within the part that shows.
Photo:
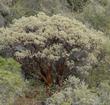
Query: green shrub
(98,75)
(96,15)
(8,2)
(104,92)
(4,15)
(77,5)
(11,81)
(24,8)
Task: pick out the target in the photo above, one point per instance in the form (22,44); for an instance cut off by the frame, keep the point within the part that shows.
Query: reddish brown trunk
(46,76)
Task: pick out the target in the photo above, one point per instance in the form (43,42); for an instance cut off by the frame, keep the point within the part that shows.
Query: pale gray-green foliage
(8,2)
(31,7)
(76,92)
(47,39)
(96,14)
(77,5)
(104,92)
(11,81)
(4,14)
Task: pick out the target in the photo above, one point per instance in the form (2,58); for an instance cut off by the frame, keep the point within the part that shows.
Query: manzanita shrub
(52,48)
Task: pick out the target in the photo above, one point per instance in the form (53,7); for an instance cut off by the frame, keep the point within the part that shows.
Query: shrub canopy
(42,39)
